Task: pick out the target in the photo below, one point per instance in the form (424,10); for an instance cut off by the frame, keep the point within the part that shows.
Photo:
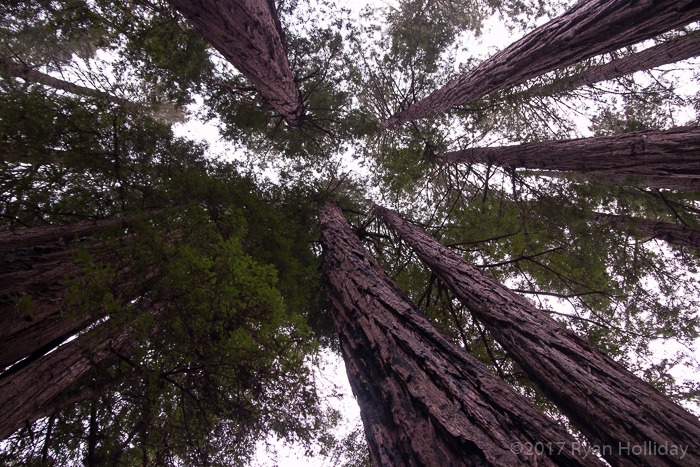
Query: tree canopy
(200,314)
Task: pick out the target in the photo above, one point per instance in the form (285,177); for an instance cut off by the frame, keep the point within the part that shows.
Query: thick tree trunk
(28,393)
(35,263)
(424,401)
(610,405)
(588,29)
(672,51)
(673,155)
(249,35)
(675,234)
(33,76)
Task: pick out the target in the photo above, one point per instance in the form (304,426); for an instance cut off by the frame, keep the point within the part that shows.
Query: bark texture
(249,35)
(424,401)
(35,263)
(588,29)
(28,394)
(672,51)
(675,234)
(672,155)
(610,405)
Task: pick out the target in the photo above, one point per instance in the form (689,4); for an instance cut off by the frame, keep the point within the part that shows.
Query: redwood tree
(37,265)
(248,34)
(423,400)
(586,30)
(610,405)
(673,154)
(675,234)
(675,50)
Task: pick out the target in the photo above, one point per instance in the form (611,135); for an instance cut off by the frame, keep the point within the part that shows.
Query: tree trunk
(249,35)
(610,405)
(35,263)
(673,182)
(28,393)
(424,401)
(31,75)
(673,155)
(675,234)
(588,29)
(675,50)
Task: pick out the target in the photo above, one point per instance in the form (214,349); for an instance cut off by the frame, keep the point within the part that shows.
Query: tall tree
(586,30)
(423,400)
(610,405)
(672,51)
(675,234)
(673,154)
(248,34)
(28,393)
(36,270)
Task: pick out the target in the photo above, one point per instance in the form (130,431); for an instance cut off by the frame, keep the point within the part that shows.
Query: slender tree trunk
(675,234)
(424,401)
(610,405)
(673,155)
(675,50)
(673,182)
(249,35)
(33,76)
(588,29)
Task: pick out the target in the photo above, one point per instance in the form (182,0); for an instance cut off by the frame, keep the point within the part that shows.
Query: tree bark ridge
(587,29)
(247,33)
(424,401)
(610,405)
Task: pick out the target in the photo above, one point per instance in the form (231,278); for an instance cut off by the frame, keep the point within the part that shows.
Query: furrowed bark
(35,263)
(588,29)
(610,405)
(672,155)
(675,234)
(248,34)
(27,393)
(675,50)
(424,401)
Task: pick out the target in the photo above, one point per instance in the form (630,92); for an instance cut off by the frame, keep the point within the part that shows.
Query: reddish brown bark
(672,155)
(676,234)
(248,34)
(588,29)
(424,401)
(610,405)
(672,51)
(28,393)
(36,263)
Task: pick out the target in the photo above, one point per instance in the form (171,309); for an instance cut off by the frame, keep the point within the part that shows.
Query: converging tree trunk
(675,234)
(588,29)
(249,35)
(34,267)
(424,401)
(675,50)
(612,407)
(673,154)
(27,395)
